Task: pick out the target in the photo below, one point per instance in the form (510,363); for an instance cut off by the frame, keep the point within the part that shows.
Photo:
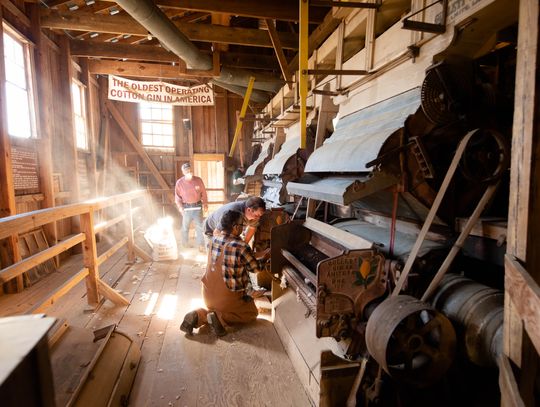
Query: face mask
(189,176)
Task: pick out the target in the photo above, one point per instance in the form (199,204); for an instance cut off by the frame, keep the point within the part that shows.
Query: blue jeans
(197,218)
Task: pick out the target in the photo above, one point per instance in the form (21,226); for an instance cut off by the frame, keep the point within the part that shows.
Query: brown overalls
(228,305)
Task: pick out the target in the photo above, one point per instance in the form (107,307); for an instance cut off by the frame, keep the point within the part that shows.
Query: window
(157,129)
(79,114)
(19,98)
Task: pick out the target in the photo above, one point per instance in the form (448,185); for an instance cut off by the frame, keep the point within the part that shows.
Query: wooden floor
(247,367)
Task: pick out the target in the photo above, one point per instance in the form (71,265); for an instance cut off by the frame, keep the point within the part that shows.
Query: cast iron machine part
(410,340)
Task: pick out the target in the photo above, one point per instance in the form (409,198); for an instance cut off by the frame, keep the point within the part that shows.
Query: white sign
(127,90)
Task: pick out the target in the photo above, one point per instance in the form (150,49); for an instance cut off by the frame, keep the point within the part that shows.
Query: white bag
(160,236)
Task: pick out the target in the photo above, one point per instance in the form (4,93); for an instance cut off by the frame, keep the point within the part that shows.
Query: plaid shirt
(238,260)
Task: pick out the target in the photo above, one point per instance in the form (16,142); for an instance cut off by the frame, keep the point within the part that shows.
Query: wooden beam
(303,77)
(45,111)
(276,9)
(132,138)
(143,70)
(90,258)
(524,199)
(69,153)
(525,295)
(30,262)
(249,61)
(124,24)
(317,37)
(96,49)
(7,192)
(51,298)
(112,250)
(276,42)
(510,396)
(142,254)
(111,294)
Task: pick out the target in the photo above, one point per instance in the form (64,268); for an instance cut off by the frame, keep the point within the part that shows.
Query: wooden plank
(98,49)
(25,222)
(7,192)
(14,270)
(130,135)
(523,211)
(278,49)
(90,258)
(141,253)
(525,295)
(100,227)
(142,70)
(111,251)
(510,396)
(52,297)
(111,294)
(277,9)
(124,24)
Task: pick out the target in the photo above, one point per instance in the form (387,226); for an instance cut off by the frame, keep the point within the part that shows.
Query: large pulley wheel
(486,156)
(412,341)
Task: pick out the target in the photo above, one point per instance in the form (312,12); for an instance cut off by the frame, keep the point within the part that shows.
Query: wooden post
(86,79)
(69,156)
(524,202)
(303,63)
(45,111)
(90,257)
(7,192)
(129,232)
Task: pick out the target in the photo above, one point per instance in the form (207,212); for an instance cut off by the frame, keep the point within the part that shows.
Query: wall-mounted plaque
(25,170)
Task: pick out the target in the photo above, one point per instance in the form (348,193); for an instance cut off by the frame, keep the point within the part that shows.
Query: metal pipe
(158,24)
(479,312)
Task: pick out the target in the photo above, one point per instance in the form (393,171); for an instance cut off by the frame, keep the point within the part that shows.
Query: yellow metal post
(303,64)
(242,114)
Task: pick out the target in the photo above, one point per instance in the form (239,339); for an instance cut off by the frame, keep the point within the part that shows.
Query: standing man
(191,200)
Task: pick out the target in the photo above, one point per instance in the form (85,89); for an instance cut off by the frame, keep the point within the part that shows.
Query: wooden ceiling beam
(96,49)
(285,10)
(123,24)
(249,61)
(279,52)
(142,70)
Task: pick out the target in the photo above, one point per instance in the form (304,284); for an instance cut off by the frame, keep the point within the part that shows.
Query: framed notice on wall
(25,170)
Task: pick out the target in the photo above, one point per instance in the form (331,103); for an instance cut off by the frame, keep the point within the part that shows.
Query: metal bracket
(436,28)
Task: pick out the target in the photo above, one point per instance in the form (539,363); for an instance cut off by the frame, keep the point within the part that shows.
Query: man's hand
(180,209)
(265,254)
(258,293)
(205,207)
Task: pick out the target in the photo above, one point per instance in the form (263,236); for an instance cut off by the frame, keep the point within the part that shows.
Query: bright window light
(20,108)
(79,114)
(156,124)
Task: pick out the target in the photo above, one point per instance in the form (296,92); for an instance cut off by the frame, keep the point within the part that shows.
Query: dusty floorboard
(248,367)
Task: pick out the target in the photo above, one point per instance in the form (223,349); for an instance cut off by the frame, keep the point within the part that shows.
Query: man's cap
(186,166)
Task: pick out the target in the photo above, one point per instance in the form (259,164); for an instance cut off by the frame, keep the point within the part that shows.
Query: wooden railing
(86,211)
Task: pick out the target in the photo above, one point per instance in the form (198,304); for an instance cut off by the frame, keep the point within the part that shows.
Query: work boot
(190,321)
(215,324)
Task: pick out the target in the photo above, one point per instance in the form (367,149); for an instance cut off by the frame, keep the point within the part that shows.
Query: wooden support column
(90,97)
(524,205)
(129,232)
(102,147)
(339,52)
(45,110)
(7,192)
(67,157)
(90,258)
(370,38)
(303,62)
